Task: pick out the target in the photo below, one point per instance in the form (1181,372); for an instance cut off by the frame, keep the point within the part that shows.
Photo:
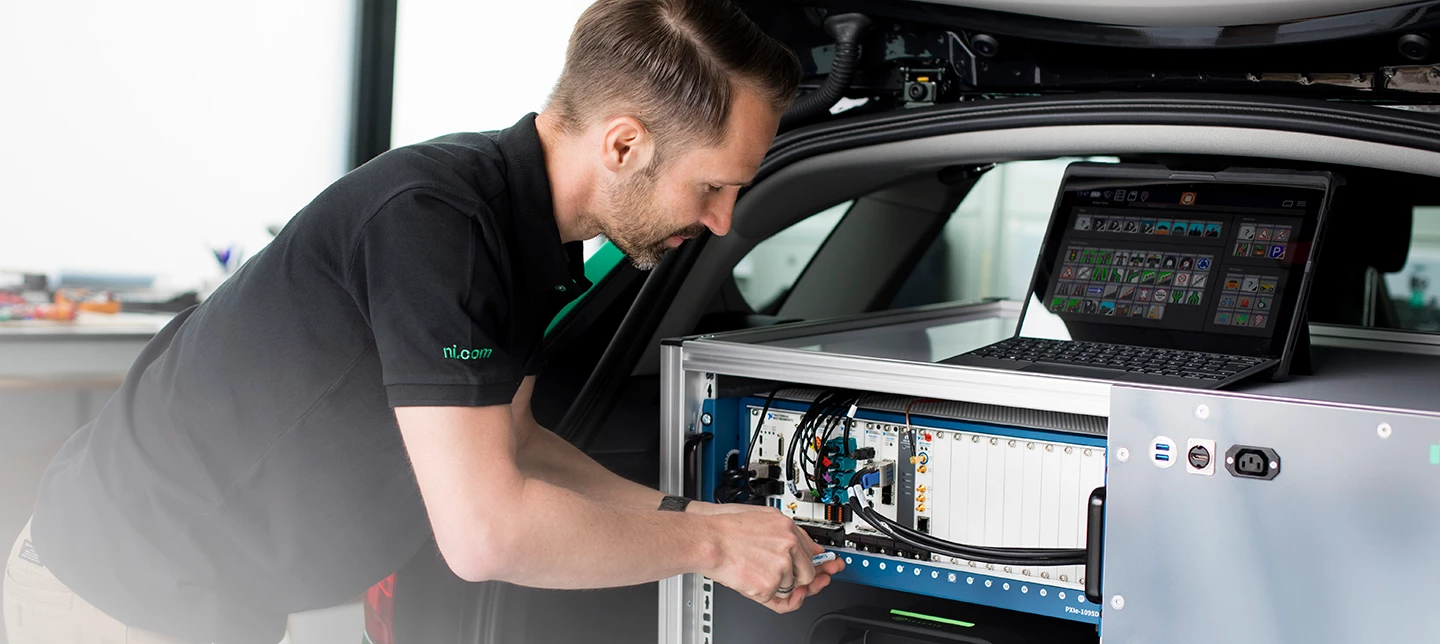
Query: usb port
(1162,447)
(1162,457)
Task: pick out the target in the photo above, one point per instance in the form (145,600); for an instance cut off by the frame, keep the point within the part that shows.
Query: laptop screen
(1134,256)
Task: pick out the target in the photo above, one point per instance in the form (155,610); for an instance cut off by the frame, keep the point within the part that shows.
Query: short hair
(672,64)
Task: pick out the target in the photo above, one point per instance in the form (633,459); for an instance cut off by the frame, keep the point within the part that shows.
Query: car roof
(1176,13)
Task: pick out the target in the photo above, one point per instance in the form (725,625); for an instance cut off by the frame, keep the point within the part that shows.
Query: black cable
(809,443)
(736,483)
(790,466)
(916,535)
(930,542)
(831,422)
(984,554)
(833,418)
(755,436)
(846,29)
(980,554)
(791,457)
(804,435)
(829,410)
(847,402)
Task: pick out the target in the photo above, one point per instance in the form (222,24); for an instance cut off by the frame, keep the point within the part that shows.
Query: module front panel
(966,482)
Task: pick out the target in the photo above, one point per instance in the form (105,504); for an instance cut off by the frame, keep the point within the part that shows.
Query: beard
(637,225)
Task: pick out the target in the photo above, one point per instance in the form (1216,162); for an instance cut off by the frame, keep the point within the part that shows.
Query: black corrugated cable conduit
(846,28)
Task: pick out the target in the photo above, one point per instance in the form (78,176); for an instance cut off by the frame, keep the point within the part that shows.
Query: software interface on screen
(1192,257)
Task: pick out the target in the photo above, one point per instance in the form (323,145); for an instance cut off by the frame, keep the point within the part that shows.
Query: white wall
(136,135)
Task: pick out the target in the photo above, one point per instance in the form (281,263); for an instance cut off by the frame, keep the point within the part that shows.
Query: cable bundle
(981,554)
(832,409)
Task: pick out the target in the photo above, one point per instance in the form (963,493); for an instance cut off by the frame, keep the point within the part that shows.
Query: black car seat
(1369,228)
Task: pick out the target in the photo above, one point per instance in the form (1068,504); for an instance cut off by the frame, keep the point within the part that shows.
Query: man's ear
(628,146)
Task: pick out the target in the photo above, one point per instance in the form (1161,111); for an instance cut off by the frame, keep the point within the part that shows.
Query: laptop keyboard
(1161,362)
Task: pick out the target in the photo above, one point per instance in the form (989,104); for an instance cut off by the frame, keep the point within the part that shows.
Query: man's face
(651,212)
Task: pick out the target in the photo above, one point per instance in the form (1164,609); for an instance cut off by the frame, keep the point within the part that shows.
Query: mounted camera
(923,86)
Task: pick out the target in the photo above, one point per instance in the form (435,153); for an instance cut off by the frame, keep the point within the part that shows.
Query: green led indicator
(1435,454)
(942,620)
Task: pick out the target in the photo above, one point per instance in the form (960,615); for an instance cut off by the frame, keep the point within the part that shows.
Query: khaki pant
(41,610)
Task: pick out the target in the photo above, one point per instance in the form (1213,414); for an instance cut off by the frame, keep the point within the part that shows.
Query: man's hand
(763,552)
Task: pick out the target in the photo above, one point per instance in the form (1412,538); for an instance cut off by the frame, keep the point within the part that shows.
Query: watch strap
(672,503)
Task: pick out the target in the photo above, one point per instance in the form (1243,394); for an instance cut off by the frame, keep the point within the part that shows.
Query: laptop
(1190,279)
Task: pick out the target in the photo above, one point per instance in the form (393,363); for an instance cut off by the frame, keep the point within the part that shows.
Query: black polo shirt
(250,466)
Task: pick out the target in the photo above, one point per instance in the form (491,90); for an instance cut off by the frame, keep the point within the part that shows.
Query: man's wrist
(701,508)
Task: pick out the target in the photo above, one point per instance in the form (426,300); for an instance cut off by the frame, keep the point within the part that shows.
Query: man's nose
(718,218)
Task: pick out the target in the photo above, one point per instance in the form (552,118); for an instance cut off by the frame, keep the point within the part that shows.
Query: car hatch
(921,53)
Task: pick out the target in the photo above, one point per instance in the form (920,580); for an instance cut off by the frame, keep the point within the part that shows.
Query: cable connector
(887,472)
(869,480)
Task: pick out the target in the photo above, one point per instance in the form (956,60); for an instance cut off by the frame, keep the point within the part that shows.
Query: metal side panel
(946,382)
(681,396)
(1339,546)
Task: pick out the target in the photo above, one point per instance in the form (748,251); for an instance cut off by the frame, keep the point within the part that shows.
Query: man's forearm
(552,459)
(492,521)
(568,541)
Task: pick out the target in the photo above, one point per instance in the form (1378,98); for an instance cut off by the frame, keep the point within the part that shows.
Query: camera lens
(916,92)
(1414,46)
(985,45)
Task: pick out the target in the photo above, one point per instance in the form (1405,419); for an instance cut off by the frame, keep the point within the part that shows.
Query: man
(363,384)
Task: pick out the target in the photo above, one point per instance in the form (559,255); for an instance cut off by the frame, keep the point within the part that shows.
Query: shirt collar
(550,264)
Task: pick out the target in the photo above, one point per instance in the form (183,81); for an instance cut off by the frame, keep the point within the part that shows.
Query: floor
(35,421)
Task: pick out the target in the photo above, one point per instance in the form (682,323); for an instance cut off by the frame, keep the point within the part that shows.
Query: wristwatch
(673,503)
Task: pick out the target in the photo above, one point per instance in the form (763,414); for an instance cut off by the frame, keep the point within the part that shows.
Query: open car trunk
(1392,159)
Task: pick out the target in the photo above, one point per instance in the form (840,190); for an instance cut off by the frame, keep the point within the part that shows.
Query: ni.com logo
(456,353)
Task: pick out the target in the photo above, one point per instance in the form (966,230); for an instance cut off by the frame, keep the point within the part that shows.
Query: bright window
(769,270)
(465,66)
(989,246)
(140,135)
(462,65)
(1415,289)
